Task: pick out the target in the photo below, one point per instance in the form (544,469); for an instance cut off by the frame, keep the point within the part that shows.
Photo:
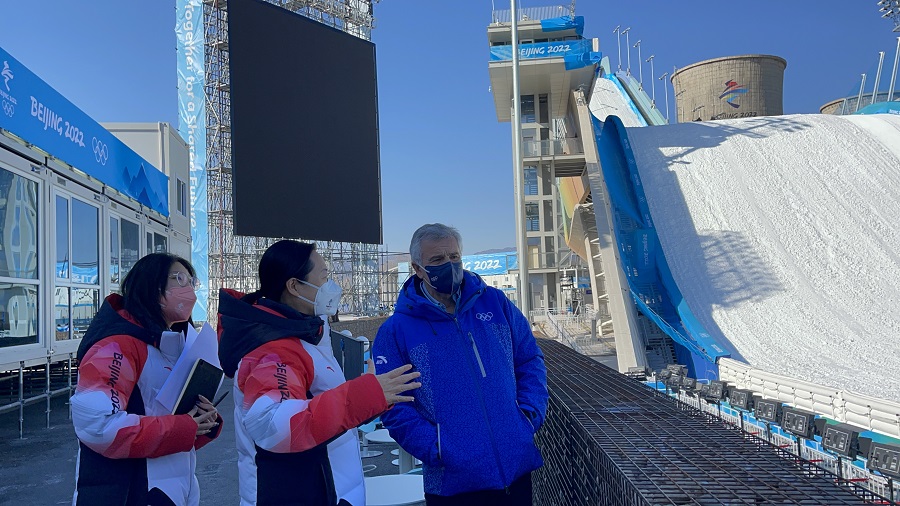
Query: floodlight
(638,373)
(798,422)
(677,369)
(767,409)
(740,398)
(884,458)
(689,383)
(663,375)
(716,391)
(704,391)
(840,438)
(674,382)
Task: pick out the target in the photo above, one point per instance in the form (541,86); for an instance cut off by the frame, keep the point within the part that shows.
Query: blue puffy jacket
(484,387)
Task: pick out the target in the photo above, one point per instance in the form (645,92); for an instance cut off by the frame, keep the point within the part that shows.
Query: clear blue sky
(444,156)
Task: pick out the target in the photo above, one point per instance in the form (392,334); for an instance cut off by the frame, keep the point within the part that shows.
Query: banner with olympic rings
(41,116)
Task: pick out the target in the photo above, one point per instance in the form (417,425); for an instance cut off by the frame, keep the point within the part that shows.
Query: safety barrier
(874,414)
(645,104)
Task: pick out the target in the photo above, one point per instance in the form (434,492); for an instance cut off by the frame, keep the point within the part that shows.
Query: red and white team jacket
(129,444)
(295,415)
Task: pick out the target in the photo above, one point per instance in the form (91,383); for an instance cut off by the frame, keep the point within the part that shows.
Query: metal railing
(572,330)
(530,13)
(553,322)
(57,380)
(552,148)
(540,260)
(840,405)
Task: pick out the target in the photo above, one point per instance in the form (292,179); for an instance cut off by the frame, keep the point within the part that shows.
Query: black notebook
(204,379)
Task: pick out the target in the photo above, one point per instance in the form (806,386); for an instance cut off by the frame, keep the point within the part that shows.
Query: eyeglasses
(184,280)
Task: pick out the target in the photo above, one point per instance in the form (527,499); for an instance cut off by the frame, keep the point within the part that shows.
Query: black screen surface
(304,127)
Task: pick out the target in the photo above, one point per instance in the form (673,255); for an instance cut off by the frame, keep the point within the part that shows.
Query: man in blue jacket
(484,384)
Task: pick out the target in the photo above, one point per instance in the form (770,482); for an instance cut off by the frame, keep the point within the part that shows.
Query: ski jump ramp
(770,240)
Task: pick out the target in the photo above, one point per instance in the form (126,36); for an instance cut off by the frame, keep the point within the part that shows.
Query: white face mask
(328,296)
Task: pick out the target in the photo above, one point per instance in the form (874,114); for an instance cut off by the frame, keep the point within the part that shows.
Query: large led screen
(304,123)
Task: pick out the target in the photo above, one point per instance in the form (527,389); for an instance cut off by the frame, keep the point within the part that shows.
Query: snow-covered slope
(783,234)
(608,100)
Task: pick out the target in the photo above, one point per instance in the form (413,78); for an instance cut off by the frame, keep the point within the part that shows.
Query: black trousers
(518,494)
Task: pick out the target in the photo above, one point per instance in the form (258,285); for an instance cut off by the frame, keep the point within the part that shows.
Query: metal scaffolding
(360,269)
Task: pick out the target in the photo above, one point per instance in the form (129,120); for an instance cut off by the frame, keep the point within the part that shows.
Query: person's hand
(204,415)
(395,382)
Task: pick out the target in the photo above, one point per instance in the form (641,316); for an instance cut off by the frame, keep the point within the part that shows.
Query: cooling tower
(730,87)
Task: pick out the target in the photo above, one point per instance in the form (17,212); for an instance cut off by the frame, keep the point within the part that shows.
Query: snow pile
(783,234)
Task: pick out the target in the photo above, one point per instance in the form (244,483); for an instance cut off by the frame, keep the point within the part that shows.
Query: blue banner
(542,50)
(490,264)
(39,115)
(404,271)
(192,127)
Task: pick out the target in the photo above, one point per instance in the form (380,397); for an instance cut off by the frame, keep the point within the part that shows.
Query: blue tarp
(563,23)
(649,278)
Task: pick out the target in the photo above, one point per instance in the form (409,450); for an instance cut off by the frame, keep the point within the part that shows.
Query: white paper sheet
(203,344)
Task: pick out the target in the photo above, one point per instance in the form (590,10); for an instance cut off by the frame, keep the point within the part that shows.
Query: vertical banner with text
(192,127)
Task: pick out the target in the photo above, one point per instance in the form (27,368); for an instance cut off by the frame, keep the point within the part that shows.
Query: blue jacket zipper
(484,410)
(477,356)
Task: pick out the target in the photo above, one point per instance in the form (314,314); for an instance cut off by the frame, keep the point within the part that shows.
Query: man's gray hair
(431,232)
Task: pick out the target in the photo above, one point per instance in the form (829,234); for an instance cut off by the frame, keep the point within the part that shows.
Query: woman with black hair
(131,450)
(295,415)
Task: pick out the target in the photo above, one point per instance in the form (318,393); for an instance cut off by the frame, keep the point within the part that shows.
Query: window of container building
(19,284)
(125,247)
(156,243)
(77,291)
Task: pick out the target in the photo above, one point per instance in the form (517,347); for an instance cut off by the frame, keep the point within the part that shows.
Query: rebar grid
(610,439)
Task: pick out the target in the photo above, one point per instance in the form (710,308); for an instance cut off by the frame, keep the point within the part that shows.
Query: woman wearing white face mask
(132,451)
(294,413)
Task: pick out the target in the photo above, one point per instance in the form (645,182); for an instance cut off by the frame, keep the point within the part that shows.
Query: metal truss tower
(359,268)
